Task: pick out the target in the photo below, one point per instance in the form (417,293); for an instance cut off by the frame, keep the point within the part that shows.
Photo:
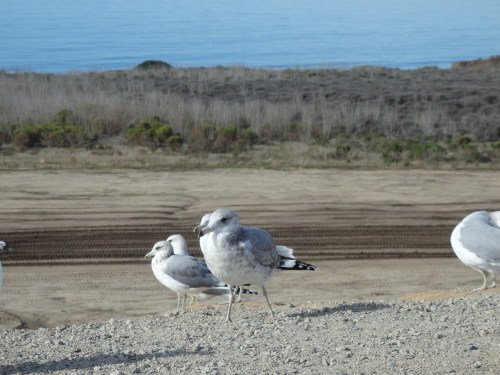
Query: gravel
(456,336)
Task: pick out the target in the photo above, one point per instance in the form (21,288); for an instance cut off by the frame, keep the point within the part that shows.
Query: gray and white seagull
(180,246)
(476,242)
(4,246)
(240,255)
(184,274)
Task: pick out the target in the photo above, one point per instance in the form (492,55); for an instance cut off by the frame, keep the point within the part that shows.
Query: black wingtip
(296,265)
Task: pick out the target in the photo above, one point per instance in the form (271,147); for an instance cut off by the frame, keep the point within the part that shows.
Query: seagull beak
(196,228)
(150,254)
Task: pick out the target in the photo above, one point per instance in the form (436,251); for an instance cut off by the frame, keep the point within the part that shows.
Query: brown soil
(79,236)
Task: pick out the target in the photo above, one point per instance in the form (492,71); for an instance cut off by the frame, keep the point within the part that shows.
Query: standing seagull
(203,239)
(3,246)
(184,274)
(180,246)
(476,242)
(240,255)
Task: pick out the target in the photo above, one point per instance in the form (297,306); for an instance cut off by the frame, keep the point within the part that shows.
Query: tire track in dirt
(315,232)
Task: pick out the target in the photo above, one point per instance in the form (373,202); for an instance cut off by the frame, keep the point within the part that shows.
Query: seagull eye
(224,219)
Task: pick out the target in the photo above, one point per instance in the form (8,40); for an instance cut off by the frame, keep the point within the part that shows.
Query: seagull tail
(245,291)
(222,291)
(292,264)
(285,252)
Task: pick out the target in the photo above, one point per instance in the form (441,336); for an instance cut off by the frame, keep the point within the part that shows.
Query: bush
(225,139)
(342,151)
(153,65)
(174,142)
(201,137)
(249,136)
(150,132)
(50,135)
(463,140)
(293,131)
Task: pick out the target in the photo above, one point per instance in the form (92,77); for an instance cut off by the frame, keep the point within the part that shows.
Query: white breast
(234,266)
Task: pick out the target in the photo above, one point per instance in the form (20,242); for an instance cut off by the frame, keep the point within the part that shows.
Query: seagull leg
(184,300)
(231,299)
(239,290)
(268,304)
(485,281)
(491,280)
(178,302)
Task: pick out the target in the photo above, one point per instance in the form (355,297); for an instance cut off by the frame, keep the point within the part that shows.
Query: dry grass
(311,106)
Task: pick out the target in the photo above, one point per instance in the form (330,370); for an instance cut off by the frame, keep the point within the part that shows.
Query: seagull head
(220,218)
(179,244)
(5,246)
(160,247)
(204,221)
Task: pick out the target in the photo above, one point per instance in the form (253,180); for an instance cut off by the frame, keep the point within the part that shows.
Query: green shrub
(227,133)
(150,132)
(65,117)
(249,136)
(50,135)
(392,151)
(293,131)
(174,142)
(342,151)
(322,141)
(163,132)
(225,138)
(463,140)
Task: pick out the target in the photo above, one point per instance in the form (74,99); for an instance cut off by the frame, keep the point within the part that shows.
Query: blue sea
(62,36)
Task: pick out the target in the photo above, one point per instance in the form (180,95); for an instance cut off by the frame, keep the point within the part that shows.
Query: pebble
(357,338)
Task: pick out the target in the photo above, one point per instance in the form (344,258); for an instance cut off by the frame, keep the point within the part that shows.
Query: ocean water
(74,35)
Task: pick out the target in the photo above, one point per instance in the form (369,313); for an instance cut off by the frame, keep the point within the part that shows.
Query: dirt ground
(79,236)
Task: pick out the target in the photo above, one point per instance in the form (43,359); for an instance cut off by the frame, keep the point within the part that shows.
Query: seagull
(241,255)
(476,242)
(203,222)
(180,246)
(184,274)
(3,246)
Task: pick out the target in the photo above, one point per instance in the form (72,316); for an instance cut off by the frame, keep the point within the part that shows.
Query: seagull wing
(190,271)
(481,238)
(261,245)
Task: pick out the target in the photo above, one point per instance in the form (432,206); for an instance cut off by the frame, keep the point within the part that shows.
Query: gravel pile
(458,336)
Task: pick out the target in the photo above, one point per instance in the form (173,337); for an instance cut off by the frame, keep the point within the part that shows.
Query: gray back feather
(264,248)
(481,237)
(191,271)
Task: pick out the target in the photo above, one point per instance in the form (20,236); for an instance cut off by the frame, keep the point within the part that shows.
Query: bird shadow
(82,363)
(354,308)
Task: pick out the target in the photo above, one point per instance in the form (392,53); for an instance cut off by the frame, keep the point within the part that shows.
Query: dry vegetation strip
(225,109)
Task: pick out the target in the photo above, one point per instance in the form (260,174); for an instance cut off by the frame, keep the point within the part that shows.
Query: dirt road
(80,235)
